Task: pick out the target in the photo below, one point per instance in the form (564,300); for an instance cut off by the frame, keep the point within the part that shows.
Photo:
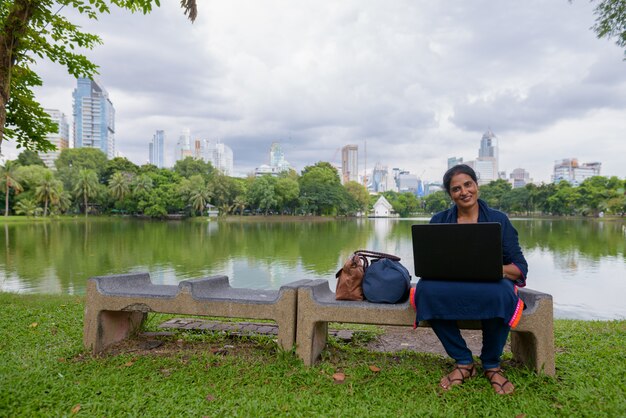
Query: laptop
(464,252)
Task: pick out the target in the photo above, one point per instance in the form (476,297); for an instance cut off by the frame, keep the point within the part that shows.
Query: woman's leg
(495,333)
(450,336)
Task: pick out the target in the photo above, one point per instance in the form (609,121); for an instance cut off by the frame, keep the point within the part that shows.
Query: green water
(582,263)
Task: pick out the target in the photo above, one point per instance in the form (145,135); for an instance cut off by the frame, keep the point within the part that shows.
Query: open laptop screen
(471,252)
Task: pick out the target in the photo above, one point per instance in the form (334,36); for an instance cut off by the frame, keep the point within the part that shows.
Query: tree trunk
(45,207)
(13,30)
(6,201)
(85,200)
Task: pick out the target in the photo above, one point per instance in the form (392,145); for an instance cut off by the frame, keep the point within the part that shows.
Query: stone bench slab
(117,305)
(532,341)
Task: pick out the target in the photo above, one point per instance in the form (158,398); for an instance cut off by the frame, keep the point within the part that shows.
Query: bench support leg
(311,340)
(535,349)
(104,328)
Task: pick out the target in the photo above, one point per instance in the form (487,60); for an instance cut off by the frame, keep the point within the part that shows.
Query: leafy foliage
(611,21)
(34,30)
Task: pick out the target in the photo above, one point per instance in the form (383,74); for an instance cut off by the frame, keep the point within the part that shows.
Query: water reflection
(580,262)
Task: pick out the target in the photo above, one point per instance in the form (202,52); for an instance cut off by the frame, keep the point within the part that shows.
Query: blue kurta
(437,299)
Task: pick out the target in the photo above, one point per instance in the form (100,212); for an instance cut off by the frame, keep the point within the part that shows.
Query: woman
(496,304)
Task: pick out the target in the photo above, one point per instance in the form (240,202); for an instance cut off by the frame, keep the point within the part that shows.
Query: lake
(582,263)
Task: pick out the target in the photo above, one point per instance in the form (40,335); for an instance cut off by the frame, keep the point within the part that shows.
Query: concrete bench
(532,341)
(117,305)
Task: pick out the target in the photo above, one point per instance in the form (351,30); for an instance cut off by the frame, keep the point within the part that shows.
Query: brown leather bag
(350,277)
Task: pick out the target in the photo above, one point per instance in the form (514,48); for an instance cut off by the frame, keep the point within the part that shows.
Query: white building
(382,208)
(569,169)
(60,139)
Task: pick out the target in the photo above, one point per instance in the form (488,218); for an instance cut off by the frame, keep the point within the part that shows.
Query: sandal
(499,387)
(463,374)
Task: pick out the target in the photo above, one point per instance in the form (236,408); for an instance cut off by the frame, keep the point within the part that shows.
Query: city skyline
(419,82)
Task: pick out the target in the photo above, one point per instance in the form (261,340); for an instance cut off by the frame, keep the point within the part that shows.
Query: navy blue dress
(453,300)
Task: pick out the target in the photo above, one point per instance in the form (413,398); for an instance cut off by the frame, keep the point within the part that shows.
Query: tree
(359,194)
(190,166)
(436,202)
(32,30)
(320,189)
(28,157)
(262,193)
(118,164)
(26,207)
(86,186)
(48,191)
(9,180)
(611,21)
(119,185)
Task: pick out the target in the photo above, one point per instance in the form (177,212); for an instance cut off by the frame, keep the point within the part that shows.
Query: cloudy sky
(413,82)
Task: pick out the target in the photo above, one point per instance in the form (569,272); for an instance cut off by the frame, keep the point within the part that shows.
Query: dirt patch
(166,343)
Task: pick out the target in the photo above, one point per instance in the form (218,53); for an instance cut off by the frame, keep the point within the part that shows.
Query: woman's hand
(511,272)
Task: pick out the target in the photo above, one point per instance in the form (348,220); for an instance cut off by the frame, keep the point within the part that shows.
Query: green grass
(44,371)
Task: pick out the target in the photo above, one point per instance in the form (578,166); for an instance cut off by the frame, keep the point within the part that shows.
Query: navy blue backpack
(386,281)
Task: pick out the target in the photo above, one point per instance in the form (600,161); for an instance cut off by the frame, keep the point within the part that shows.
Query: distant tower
(277,158)
(59,139)
(486,165)
(157,147)
(183,146)
(94,117)
(487,147)
(350,163)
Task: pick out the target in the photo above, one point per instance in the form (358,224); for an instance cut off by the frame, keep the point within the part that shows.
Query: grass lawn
(44,371)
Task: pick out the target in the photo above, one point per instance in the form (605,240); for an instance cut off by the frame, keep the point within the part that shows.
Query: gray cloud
(420,81)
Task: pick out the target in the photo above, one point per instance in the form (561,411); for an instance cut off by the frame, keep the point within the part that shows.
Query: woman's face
(463,191)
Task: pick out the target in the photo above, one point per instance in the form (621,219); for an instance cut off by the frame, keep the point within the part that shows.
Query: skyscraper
(219,155)
(59,139)
(486,165)
(183,146)
(94,117)
(350,163)
(157,147)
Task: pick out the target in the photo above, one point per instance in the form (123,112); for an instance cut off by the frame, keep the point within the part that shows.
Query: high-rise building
(486,165)
(183,146)
(569,169)
(519,178)
(157,149)
(94,117)
(452,161)
(487,147)
(350,163)
(219,155)
(59,139)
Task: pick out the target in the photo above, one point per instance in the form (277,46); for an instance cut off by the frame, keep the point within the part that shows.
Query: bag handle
(376,255)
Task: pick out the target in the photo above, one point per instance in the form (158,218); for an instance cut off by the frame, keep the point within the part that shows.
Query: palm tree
(198,198)
(86,186)
(142,183)
(64,202)
(26,207)
(119,185)
(48,191)
(9,180)
(240,203)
